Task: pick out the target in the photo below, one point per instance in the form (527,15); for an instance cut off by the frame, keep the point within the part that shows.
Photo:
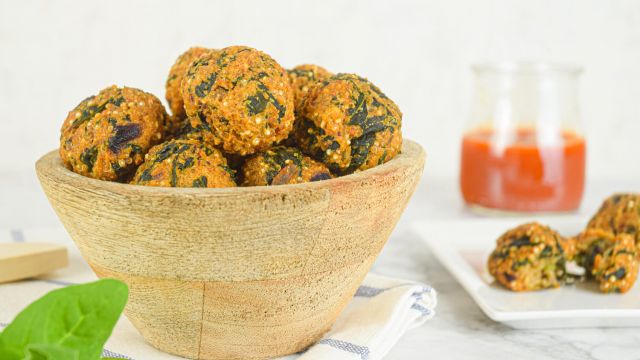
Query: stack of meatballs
(237,118)
(533,256)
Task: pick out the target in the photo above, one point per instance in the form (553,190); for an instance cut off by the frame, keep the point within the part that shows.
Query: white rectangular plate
(463,246)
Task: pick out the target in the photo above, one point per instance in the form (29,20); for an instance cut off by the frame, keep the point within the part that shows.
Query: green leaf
(79,318)
(50,352)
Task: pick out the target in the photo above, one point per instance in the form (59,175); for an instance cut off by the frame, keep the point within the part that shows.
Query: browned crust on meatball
(239,99)
(619,214)
(184,163)
(303,78)
(611,259)
(529,257)
(106,135)
(174,80)
(282,165)
(349,124)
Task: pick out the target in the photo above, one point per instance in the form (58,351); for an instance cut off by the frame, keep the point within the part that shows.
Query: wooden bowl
(253,272)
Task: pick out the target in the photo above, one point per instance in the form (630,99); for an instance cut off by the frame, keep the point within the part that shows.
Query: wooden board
(25,260)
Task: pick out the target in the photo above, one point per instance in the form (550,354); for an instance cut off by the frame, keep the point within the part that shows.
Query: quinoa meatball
(106,135)
(619,214)
(609,258)
(349,124)
(173,94)
(186,131)
(282,165)
(240,98)
(530,257)
(184,163)
(303,78)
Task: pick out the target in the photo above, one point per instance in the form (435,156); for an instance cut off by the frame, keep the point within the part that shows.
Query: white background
(55,53)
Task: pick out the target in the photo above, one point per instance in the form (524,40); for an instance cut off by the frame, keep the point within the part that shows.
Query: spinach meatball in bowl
(173,93)
(106,136)
(282,165)
(303,78)
(184,163)
(349,124)
(240,98)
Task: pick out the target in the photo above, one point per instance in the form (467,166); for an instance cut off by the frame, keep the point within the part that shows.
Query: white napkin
(377,316)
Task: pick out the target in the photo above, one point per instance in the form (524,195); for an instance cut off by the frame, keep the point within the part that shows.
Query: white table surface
(459,330)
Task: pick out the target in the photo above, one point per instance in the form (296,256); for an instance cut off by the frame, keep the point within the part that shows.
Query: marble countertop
(460,330)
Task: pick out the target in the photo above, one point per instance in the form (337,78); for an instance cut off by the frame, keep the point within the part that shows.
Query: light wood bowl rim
(51,165)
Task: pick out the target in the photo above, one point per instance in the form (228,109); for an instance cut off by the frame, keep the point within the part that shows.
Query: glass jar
(523,149)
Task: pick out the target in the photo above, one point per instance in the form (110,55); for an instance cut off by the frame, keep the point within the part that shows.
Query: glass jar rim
(527,67)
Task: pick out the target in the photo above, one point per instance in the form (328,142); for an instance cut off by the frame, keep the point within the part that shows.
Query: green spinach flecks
(618,274)
(201,61)
(280,157)
(302,73)
(188,162)
(135,149)
(547,251)
(119,170)
(257,103)
(229,171)
(359,112)
(146,175)
(171,78)
(90,111)
(281,109)
(519,263)
(523,240)
(116,101)
(360,150)
(204,125)
(168,150)
(174,175)
(87,114)
(89,156)
(204,87)
(200,182)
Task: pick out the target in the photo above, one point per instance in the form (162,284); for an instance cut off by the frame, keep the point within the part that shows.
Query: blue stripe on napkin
(115,355)
(423,310)
(368,291)
(363,351)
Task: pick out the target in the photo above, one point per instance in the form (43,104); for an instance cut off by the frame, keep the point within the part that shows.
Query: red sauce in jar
(523,175)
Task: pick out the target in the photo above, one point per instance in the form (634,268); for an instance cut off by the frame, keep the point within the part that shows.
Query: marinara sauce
(524,172)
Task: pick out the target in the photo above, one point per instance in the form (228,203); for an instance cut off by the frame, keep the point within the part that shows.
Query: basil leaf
(50,352)
(78,317)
